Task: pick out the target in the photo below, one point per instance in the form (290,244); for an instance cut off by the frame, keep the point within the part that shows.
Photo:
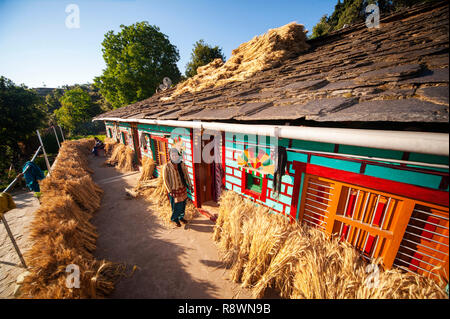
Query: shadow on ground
(129,233)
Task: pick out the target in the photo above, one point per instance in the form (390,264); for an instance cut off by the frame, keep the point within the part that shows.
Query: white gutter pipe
(417,142)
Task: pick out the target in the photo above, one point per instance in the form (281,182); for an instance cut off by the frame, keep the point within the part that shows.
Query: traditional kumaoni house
(347,132)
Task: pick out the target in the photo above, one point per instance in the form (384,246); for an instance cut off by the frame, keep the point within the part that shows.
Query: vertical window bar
(357,236)
(375,247)
(386,211)
(348,232)
(346,203)
(356,204)
(375,210)
(345,209)
(365,242)
(369,194)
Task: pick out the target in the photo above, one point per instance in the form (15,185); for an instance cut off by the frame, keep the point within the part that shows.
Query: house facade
(350,137)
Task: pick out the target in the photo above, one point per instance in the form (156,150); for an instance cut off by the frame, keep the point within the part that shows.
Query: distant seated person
(98,146)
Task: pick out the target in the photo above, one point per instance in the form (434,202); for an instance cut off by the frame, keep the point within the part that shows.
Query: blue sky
(37,48)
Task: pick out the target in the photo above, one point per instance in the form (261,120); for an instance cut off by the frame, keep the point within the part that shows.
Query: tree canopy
(353,11)
(137,59)
(22,113)
(77,108)
(201,55)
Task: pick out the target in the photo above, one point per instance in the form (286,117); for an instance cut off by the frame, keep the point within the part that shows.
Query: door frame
(198,185)
(136,142)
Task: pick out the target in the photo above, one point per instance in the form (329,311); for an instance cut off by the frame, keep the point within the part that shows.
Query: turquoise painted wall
(283,201)
(414,178)
(155,129)
(184,133)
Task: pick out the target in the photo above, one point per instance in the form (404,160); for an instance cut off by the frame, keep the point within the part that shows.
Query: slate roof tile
(397,73)
(403,110)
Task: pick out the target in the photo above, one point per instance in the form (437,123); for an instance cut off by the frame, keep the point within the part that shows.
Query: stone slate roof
(397,73)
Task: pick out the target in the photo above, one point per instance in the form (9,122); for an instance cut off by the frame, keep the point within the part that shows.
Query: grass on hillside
(101,137)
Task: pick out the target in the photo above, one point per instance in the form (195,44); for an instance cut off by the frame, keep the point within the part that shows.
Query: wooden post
(400,222)
(15,180)
(45,154)
(8,230)
(62,133)
(56,135)
(332,210)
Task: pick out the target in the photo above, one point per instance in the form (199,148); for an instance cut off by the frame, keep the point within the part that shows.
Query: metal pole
(56,135)
(36,154)
(15,180)
(8,230)
(45,154)
(62,133)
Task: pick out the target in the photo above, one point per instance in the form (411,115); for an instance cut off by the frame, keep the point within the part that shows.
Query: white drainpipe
(414,142)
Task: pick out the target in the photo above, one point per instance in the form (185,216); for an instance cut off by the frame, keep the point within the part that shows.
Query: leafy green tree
(22,113)
(52,100)
(137,59)
(353,11)
(201,55)
(76,108)
(321,28)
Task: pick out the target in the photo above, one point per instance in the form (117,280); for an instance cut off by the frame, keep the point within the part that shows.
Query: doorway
(205,177)
(136,144)
(208,169)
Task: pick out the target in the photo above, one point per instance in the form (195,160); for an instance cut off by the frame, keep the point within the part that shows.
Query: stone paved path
(173,263)
(18,220)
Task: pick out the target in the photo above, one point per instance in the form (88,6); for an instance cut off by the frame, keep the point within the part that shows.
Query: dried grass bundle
(125,161)
(110,144)
(280,273)
(268,235)
(116,152)
(233,212)
(62,233)
(148,168)
(261,53)
(265,251)
(122,157)
(85,192)
(328,268)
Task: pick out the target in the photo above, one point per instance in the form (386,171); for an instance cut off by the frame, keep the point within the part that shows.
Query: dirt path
(18,220)
(173,263)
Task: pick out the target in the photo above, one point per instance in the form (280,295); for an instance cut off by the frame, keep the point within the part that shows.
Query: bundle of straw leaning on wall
(62,233)
(148,168)
(122,157)
(264,251)
(110,144)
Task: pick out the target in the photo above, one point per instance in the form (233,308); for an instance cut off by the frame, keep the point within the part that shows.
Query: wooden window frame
(408,195)
(158,152)
(253,177)
(124,137)
(257,196)
(146,146)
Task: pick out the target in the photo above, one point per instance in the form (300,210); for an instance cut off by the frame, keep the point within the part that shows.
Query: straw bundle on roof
(298,261)
(261,53)
(63,235)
